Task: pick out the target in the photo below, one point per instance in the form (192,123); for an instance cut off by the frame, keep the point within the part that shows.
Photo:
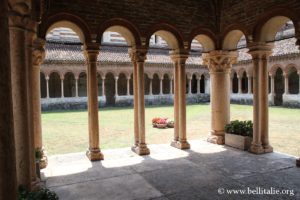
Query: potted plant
(170,123)
(239,134)
(154,121)
(161,123)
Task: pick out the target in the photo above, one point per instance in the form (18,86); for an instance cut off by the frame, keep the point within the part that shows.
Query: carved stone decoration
(219,61)
(38,53)
(138,55)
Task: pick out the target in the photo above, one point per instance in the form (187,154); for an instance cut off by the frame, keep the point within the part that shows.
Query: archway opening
(293,81)
(122,84)
(43,85)
(69,85)
(110,89)
(235,83)
(54,85)
(244,83)
(194,84)
(155,84)
(279,87)
(82,85)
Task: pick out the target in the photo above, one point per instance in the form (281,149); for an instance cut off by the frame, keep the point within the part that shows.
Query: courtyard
(206,171)
(116,127)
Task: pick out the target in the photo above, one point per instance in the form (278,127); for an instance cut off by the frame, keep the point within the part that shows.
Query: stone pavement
(206,171)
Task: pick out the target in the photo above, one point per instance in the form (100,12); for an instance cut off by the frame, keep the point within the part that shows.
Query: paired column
(179,58)
(190,85)
(138,57)
(161,85)
(249,85)
(128,86)
(219,64)
(47,86)
(20,90)
(91,53)
(103,86)
(150,88)
(198,84)
(38,56)
(286,83)
(240,85)
(260,53)
(171,85)
(8,183)
(62,86)
(76,86)
(116,86)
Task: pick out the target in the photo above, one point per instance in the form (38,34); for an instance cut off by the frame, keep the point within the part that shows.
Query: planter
(154,125)
(161,125)
(170,125)
(298,162)
(238,141)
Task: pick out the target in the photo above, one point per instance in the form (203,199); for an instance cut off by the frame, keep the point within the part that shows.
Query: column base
(94,154)
(180,144)
(268,148)
(216,139)
(256,149)
(141,149)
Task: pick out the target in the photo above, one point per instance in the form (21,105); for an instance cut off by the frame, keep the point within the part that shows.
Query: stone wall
(80,103)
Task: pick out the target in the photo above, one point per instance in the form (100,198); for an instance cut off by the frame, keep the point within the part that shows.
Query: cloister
(217,25)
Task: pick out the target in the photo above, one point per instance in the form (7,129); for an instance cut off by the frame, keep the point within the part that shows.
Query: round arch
(232,38)
(168,33)
(205,37)
(122,26)
(68,21)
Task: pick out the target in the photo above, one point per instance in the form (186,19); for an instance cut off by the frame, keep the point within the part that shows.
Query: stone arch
(69,84)
(194,84)
(202,83)
(155,84)
(43,85)
(166,84)
(232,36)
(122,26)
(167,32)
(110,89)
(293,80)
(205,37)
(235,83)
(82,84)
(66,20)
(274,68)
(272,21)
(54,85)
(279,86)
(244,85)
(147,83)
(122,84)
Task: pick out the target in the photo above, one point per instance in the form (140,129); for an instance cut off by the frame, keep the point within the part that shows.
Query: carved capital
(260,50)
(91,52)
(219,61)
(19,14)
(179,56)
(38,53)
(138,55)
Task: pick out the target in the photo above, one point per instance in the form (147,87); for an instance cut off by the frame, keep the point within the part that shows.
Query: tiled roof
(58,52)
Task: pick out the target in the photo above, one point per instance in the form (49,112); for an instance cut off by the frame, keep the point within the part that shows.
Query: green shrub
(39,194)
(38,154)
(244,128)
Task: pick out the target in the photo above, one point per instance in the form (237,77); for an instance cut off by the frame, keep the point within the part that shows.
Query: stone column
(47,86)
(240,85)
(207,86)
(91,53)
(38,56)
(138,57)
(150,88)
(103,86)
(190,85)
(19,76)
(179,58)
(8,180)
(260,53)
(128,86)
(171,85)
(62,86)
(161,85)
(198,85)
(286,83)
(219,65)
(249,85)
(116,86)
(76,86)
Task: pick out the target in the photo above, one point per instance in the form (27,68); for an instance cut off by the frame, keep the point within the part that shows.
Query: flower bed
(158,122)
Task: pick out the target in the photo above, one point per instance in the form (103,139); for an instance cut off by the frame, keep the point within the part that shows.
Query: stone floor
(206,171)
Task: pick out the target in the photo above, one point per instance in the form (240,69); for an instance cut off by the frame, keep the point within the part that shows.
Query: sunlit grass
(65,132)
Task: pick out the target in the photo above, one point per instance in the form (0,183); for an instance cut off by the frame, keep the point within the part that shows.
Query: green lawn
(65,132)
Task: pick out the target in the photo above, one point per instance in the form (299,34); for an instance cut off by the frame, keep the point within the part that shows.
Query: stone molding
(138,55)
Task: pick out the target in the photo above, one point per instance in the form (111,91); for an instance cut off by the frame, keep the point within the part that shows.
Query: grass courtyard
(66,132)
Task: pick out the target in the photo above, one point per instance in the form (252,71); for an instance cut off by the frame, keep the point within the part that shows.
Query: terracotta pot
(161,125)
(298,162)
